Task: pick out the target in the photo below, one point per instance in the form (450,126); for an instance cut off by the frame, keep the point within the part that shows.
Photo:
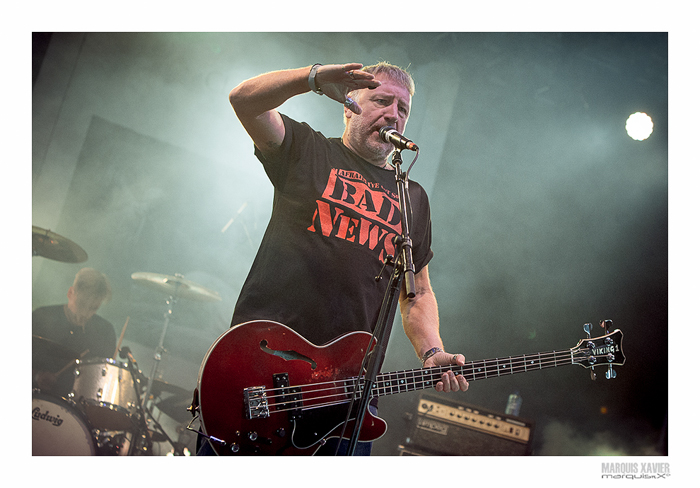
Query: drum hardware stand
(174,285)
(159,349)
(177,447)
(142,427)
(403,269)
(157,356)
(144,413)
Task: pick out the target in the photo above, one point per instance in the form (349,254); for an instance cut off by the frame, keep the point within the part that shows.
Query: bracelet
(312,79)
(430,353)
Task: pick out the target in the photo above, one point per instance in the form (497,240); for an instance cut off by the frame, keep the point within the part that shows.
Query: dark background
(546,215)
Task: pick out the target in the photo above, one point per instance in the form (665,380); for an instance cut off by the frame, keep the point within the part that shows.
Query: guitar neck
(419,379)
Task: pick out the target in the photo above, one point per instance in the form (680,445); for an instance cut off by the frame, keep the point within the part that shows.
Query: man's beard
(362,138)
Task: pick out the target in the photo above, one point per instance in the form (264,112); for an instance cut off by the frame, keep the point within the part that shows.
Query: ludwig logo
(38,415)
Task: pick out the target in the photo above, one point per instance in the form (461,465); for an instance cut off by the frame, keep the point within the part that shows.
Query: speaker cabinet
(441,427)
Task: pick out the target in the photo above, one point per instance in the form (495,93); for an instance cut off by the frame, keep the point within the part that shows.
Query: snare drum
(106,391)
(59,428)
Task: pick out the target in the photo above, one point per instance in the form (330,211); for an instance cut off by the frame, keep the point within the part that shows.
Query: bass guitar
(263,389)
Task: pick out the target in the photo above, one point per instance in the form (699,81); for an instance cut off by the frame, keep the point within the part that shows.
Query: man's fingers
(451,382)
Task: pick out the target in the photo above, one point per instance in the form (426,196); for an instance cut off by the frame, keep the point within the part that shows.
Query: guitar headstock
(603,351)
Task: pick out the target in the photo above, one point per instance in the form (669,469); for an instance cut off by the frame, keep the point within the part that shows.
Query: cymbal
(176,408)
(53,246)
(177,286)
(160,386)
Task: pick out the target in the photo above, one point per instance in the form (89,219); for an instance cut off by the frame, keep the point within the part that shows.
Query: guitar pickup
(290,398)
(255,401)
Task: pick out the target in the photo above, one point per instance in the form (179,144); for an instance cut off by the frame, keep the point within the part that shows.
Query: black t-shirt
(98,336)
(51,323)
(333,220)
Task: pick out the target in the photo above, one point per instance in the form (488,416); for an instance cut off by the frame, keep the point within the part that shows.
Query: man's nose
(391,115)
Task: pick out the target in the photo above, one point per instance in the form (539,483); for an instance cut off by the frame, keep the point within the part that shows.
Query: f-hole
(287,355)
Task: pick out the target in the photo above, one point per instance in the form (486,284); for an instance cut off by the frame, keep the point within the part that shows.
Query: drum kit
(109,409)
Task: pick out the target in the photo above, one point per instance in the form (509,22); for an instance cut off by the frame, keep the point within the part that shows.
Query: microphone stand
(403,271)
(409,268)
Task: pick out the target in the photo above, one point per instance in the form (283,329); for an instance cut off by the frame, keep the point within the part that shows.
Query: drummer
(74,330)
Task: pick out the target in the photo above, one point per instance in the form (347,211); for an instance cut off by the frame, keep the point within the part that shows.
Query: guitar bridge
(255,401)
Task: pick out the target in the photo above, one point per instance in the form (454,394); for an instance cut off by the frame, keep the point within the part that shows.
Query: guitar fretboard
(418,379)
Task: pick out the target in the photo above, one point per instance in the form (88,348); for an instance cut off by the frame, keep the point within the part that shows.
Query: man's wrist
(429,353)
(312,79)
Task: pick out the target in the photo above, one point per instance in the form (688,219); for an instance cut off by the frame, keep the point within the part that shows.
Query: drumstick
(121,337)
(63,369)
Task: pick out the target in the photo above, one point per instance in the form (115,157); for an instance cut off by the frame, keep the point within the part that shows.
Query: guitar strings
(337,392)
(433,373)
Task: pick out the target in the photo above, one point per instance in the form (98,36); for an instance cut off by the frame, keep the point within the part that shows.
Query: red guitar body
(251,385)
(264,389)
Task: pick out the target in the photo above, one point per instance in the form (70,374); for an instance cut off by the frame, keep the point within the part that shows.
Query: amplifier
(443,427)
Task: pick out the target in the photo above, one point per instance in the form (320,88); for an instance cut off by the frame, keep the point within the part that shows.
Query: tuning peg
(587,329)
(593,375)
(607,325)
(610,373)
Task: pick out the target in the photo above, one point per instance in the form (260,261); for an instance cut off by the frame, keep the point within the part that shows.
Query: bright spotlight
(639,126)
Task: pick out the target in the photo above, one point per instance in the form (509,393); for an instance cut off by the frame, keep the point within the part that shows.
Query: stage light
(639,126)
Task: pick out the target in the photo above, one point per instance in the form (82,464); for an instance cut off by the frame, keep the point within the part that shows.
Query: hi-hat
(160,387)
(177,286)
(176,408)
(53,246)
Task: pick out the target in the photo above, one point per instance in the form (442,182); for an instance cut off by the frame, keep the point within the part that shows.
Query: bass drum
(59,428)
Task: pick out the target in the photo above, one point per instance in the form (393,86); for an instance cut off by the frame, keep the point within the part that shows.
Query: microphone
(389,134)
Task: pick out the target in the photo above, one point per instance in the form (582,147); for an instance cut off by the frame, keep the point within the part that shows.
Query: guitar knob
(253,436)
(235,448)
(281,432)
